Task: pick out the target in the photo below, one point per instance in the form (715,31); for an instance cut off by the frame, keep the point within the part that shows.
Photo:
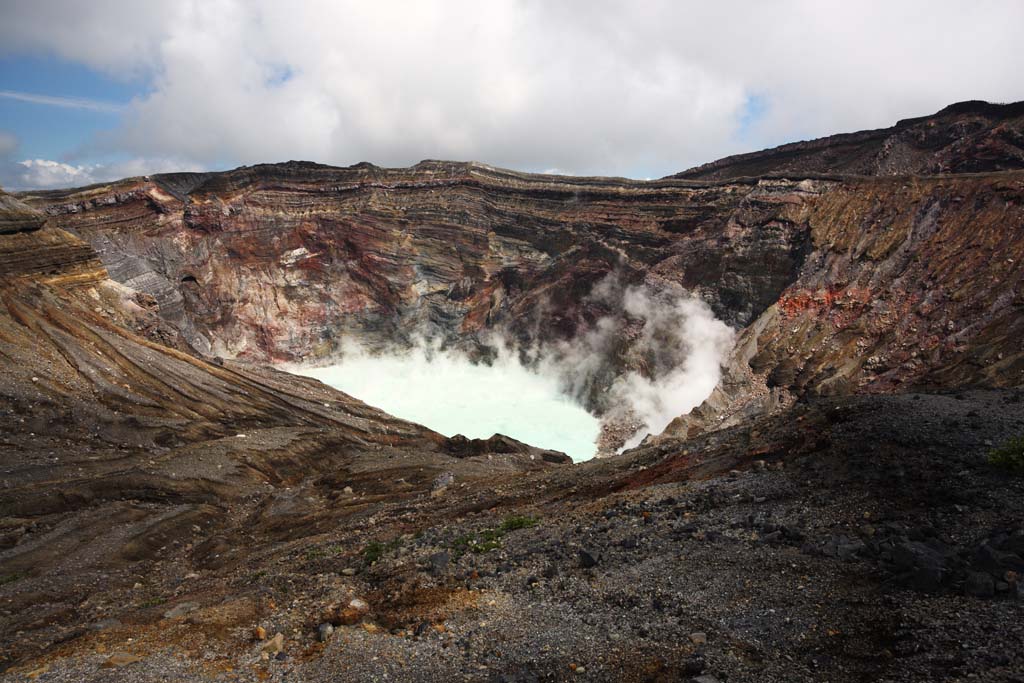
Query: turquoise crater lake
(451,395)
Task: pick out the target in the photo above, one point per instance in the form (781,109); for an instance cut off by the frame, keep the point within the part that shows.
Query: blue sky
(97,91)
(49,131)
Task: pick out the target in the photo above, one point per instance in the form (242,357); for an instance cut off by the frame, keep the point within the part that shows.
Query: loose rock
(587,560)
(275,644)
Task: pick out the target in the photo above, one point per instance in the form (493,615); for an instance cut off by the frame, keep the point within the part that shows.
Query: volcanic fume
(539,394)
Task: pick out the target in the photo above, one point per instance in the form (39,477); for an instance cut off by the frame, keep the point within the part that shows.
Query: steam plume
(654,355)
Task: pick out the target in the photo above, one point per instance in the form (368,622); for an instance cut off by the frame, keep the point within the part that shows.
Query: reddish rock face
(909,283)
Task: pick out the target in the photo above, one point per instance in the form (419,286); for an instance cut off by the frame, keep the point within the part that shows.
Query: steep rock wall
(284,262)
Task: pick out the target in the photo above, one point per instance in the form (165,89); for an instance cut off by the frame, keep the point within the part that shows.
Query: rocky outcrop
(967,137)
(16,217)
(462,447)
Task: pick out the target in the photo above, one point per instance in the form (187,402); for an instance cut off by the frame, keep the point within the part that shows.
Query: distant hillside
(967,137)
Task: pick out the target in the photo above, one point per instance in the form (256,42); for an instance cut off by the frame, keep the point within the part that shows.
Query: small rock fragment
(699,638)
(180,610)
(439,563)
(587,560)
(324,632)
(442,482)
(694,665)
(260,633)
(120,659)
(275,644)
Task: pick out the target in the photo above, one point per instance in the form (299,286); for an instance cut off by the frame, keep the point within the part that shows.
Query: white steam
(653,355)
(700,341)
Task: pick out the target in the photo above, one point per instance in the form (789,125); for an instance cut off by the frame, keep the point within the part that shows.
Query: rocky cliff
(113,442)
(910,282)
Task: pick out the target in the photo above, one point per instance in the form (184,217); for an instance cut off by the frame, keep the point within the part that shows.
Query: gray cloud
(585,87)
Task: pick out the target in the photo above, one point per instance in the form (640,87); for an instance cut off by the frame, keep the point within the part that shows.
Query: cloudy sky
(102,89)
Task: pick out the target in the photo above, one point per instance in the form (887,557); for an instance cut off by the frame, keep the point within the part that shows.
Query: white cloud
(48,174)
(44,173)
(597,87)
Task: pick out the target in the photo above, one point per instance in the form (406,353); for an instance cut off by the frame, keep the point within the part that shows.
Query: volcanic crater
(173,498)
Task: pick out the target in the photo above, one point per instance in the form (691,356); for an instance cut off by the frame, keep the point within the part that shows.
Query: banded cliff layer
(277,262)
